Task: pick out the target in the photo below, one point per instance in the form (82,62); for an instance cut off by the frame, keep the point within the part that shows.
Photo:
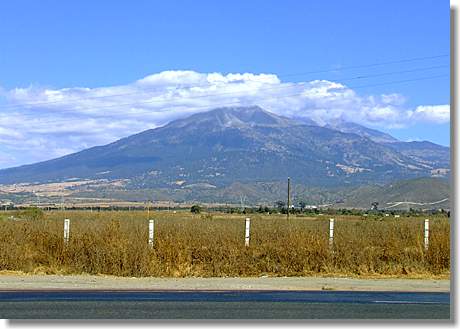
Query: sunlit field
(213,245)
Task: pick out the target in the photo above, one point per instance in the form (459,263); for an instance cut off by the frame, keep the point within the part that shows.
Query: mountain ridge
(244,144)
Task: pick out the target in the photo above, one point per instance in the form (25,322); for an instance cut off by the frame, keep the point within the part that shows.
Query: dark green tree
(195,209)
(302,204)
(375,205)
(280,204)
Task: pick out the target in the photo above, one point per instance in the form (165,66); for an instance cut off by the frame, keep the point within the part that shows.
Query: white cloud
(431,113)
(49,122)
(395,99)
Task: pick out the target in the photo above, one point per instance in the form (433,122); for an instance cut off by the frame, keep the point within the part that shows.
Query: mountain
(425,193)
(425,152)
(434,155)
(212,150)
(354,128)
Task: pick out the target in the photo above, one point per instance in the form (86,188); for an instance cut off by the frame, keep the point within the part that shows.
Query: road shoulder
(99,282)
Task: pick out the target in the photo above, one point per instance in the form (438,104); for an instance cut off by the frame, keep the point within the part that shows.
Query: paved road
(223,305)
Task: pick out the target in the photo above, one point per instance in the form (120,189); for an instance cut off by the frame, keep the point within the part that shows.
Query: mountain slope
(424,152)
(227,145)
(354,128)
(426,193)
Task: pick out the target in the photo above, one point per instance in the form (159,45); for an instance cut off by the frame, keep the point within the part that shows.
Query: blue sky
(59,51)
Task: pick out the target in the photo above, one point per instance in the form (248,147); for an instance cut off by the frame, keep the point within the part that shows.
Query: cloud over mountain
(38,123)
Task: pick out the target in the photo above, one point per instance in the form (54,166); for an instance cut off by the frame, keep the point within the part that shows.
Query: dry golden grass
(116,243)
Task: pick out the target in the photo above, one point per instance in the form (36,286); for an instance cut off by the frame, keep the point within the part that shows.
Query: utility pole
(288,197)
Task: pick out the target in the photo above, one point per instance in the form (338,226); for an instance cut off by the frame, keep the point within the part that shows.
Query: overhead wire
(350,67)
(24,105)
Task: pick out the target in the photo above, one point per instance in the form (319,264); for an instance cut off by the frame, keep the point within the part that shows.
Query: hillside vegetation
(421,190)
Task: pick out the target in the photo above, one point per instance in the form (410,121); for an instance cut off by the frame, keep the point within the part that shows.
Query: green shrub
(32,213)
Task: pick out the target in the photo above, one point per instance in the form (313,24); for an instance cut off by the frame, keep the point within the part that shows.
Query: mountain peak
(234,117)
(239,144)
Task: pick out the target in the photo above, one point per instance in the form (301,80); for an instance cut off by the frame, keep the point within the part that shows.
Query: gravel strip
(90,282)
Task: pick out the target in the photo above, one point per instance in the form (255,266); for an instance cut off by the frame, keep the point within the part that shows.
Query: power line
(240,103)
(286,85)
(401,81)
(406,60)
(395,72)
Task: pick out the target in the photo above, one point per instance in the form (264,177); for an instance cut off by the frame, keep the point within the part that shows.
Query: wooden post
(66,230)
(151,232)
(331,232)
(247,232)
(427,234)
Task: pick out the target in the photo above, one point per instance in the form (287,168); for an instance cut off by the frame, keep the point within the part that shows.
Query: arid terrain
(182,244)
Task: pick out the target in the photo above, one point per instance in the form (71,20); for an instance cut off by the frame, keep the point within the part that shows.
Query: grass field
(116,243)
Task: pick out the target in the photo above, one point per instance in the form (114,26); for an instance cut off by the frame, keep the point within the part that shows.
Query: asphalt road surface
(223,305)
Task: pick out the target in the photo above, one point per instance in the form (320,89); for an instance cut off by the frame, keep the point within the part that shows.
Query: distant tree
(235,210)
(248,211)
(195,209)
(375,205)
(280,204)
(302,204)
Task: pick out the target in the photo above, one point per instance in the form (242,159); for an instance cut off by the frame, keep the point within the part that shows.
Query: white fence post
(427,233)
(151,232)
(331,232)
(246,237)
(66,230)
